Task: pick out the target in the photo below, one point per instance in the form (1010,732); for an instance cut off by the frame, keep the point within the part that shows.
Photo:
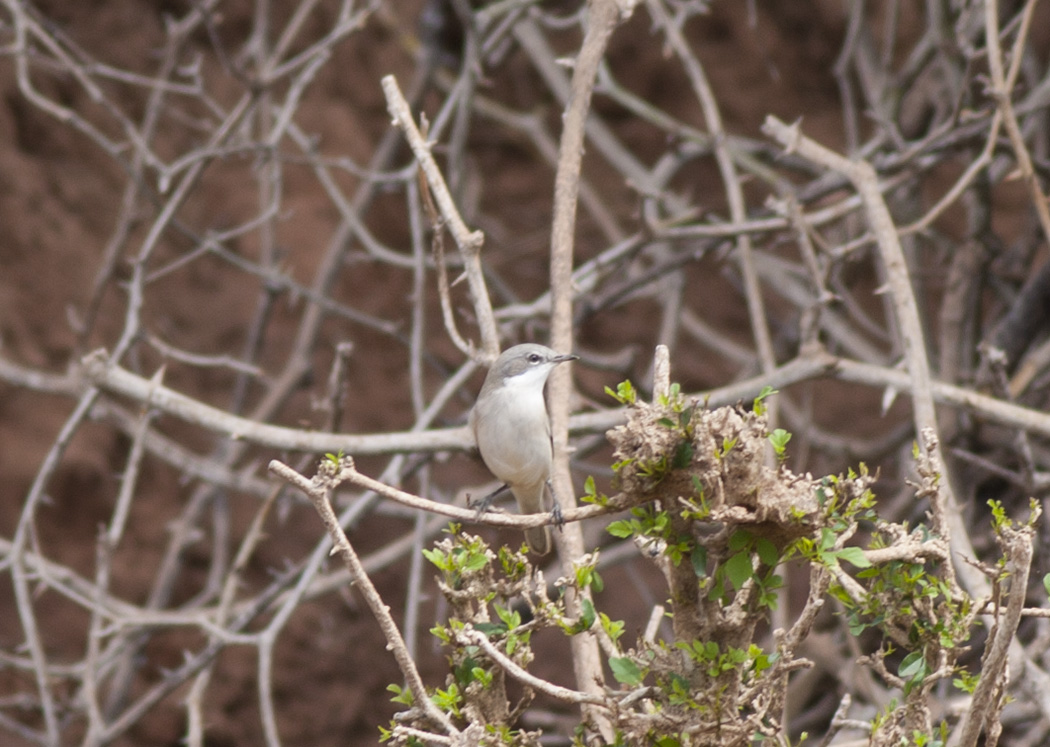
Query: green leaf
(403,696)
(738,569)
(623,528)
(999,517)
(767,551)
(625,671)
(966,682)
(911,665)
(436,557)
(740,539)
(759,407)
(613,628)
(475,561)
(699,559)
(683,455)
(914,669)
(511,618)
(464,671)
(624,394)
(587,575)
(589,615)
(779,438)
(490,629)
(855,556)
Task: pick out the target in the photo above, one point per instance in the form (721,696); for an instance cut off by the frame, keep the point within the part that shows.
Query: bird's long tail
(538,539)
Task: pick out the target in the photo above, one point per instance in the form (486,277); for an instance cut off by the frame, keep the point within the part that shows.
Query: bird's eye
(535,358)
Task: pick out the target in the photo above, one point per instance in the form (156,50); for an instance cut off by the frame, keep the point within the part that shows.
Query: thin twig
(319,492)
(469,242)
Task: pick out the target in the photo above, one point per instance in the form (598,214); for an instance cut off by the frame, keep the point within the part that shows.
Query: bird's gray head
(524,366)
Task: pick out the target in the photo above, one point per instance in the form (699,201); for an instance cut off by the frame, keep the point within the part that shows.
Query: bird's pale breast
(514,440)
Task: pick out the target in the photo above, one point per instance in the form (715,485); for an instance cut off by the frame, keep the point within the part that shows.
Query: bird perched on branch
(512,429)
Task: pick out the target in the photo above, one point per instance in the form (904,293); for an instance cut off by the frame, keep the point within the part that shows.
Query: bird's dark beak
(564,358)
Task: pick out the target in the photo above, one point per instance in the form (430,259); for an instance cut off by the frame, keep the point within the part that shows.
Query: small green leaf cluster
(739,569)
(1002,523)
(480,585)
(727,446)
(759,407)
(825,550)
(585,576)
(908,601)
(884,722)
(700,682)
(779,439)
(715,662)
(488,592)
(847,500)
(459,561)
(591,494)
(913,603)
(658,528)
(649,521)
(678,421)
(625,393)
(711,660)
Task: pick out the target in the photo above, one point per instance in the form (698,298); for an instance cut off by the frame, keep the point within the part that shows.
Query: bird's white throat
(530,380)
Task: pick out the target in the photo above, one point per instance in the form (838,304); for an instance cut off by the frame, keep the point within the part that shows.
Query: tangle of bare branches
(227,310)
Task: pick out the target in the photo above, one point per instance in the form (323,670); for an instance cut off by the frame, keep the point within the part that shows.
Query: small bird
(513,431)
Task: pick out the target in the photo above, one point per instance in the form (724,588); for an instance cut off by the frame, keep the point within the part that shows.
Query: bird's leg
(556,515)
(486,503)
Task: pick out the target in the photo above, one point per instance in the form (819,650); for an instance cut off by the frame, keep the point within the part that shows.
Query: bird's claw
(557,518)
(481,506)
(556,515)
(485,504)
